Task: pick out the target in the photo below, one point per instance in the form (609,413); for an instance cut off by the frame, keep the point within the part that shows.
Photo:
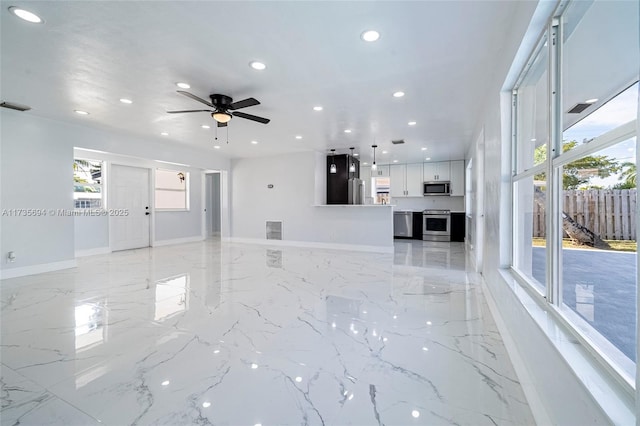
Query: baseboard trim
(93,251)
(290,243)
(36,269)
(177,241)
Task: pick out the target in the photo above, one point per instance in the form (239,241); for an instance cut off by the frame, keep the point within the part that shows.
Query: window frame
(102,184)
(602,350)
(186,190)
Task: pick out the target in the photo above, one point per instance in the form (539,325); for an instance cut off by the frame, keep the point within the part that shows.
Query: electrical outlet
(11,256)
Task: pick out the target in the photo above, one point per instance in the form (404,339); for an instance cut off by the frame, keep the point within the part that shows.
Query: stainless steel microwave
(437,188)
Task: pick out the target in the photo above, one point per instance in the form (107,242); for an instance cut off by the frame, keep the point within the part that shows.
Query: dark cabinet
(417,225)
(338,182)
(457,227)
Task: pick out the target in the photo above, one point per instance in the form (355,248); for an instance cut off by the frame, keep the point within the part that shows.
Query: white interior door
(130,193)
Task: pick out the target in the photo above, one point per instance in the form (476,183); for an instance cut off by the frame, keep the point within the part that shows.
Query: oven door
(436,227)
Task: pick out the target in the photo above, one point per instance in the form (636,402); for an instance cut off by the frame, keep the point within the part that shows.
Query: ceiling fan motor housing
(221,102)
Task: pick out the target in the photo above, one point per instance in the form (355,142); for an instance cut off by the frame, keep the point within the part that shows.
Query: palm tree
(629,173)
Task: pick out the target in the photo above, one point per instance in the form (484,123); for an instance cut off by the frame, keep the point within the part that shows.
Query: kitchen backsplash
(455,204)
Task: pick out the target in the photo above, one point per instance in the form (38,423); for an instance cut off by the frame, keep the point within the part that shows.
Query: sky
(618,111)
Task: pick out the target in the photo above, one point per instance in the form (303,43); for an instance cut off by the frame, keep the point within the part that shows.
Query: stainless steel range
(436,225)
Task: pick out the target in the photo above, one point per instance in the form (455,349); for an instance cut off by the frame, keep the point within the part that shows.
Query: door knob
(147,213)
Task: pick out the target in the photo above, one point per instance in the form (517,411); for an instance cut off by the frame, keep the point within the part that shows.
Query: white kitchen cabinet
(406,180)
(381,171)
(398,175)
(365,175)
(414,180)
(457,178)
(436,171)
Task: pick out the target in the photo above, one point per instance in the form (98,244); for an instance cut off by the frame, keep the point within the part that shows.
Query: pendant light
(352,165)
(332,167)
(373,166)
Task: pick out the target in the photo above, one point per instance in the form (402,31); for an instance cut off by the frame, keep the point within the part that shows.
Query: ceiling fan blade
(244,103)
(190,110)
(195,98)
(222,124)
(251,117)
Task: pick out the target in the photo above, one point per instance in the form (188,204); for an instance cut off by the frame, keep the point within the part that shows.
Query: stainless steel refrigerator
(356,191)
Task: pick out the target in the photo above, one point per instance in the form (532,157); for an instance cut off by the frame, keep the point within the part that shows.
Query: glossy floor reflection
(235,334)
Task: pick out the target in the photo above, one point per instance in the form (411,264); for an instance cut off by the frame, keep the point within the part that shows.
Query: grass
(616,245)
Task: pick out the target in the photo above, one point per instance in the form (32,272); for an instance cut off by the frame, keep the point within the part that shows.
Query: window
(171,190)
(574,185)
(87,184)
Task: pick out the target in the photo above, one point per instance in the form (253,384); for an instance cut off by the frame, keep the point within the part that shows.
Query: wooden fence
(609,213)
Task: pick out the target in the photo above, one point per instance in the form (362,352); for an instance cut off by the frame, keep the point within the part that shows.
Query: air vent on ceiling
(578,108)
(398,142)
(12,105)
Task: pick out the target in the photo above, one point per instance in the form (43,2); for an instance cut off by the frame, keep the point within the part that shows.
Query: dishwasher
(403,224)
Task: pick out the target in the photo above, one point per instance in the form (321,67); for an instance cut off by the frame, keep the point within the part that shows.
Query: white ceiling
(88,55)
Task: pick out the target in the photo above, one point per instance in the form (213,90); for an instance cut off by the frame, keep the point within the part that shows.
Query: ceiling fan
(221,105)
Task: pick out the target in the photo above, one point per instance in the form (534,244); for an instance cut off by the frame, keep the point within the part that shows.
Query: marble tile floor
(237,334)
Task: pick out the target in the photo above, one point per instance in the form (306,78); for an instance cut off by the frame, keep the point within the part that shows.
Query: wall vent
(274,230)
(578,108)
(15,106)
(398,142)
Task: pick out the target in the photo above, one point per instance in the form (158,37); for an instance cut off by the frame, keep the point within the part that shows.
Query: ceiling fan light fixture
(221,116)
(183,85)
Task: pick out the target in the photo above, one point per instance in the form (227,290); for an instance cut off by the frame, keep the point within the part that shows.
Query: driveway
(601,287)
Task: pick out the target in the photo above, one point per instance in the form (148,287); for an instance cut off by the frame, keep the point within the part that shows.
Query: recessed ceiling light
(204,126)
(356,154)
(591,101)
(26,15)
(126,101)
(206,404)
(257,65)
(164,134)
(395,161)
(254,142)
(411,123)
(385,152)
(398,94)
(370,35)
(216,147)
(533,139)
(254,366)
(165,383)
(428,158)
(423,148)
(77,111)
(183,85)
(347,131)
(317,108)
(298,137)
(365,164)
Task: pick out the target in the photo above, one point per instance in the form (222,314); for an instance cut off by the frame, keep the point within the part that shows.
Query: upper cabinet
(457,178)
(381,171)
(406,180)
(436,171)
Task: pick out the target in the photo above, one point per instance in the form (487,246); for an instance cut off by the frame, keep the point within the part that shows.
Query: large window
(574,181)
(171,190)
(87,184)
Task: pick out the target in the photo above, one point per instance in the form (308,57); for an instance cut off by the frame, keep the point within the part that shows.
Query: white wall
(36,172)
(36,157)
(292,201)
